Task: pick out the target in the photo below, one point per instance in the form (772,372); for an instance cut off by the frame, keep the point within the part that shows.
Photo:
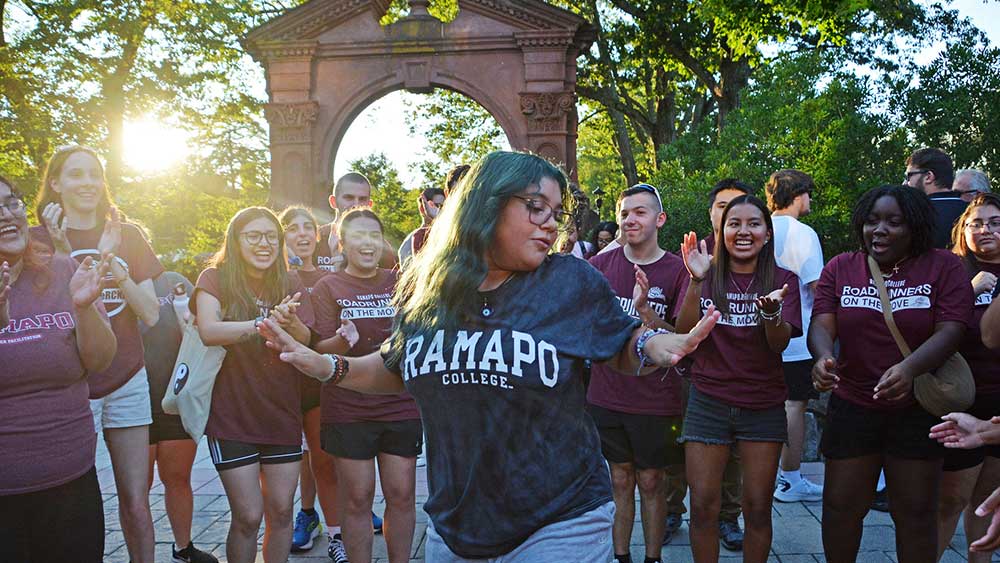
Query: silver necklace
(488,310)
(749,285)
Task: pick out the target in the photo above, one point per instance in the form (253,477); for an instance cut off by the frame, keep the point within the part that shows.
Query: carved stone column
(291,152)
(547,114)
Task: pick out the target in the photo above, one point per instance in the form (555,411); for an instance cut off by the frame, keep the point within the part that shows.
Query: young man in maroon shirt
(351,190)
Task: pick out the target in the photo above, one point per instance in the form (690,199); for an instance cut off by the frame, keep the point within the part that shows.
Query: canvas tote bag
(190,391)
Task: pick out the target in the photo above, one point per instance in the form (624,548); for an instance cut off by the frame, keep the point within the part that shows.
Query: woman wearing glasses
(80,220)
(255,426)
(56,334)
(971,475)
(488,341)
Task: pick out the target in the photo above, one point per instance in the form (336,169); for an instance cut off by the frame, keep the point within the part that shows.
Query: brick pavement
(796,525)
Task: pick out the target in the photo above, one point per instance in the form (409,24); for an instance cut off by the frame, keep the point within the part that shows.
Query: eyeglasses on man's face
(912,173)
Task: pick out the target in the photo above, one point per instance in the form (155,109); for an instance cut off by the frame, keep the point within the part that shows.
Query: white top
(797,248)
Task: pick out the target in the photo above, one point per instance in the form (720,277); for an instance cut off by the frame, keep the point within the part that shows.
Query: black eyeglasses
(254,237)
(993,225)
(651,189)
(14,205)
(912,173)
(539,212)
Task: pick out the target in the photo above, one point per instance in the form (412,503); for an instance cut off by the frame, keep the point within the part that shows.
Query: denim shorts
(711,421)
(584,539)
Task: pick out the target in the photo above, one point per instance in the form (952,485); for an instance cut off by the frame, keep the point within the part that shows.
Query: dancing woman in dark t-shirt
(488,341)
(738,393)
(254,428)
(873,421)
(54,332)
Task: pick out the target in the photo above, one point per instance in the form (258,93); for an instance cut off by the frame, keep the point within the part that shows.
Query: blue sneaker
(376,523)
(306,528)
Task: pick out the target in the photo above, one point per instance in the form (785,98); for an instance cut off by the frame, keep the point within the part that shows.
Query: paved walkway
(796,525)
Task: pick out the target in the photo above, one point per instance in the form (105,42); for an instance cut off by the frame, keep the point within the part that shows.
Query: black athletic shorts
(985,407)
(230,454)
(166,427)
(648,441)
(798,379)
(64,523)
(365,440)
(853,430)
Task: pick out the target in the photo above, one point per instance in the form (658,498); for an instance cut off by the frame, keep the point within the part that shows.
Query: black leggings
(64,523)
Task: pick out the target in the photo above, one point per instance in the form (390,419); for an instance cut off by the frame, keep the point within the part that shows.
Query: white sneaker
(335,550)
(804,490)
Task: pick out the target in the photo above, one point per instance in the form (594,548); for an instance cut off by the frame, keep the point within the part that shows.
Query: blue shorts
(584,539)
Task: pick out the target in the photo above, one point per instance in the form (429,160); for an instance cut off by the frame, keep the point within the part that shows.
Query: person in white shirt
(796,248)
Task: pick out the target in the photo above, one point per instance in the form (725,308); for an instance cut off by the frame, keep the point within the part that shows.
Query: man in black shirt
(932,171)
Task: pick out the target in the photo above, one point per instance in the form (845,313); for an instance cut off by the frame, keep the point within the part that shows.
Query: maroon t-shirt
(734,364)
(257,397)
(311,388)
(985,363)
(928,289)
(141,263)
(47,434)
(658,393)
(367,302)
(332,262)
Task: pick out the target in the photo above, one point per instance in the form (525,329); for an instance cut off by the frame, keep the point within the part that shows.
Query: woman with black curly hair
(873,420)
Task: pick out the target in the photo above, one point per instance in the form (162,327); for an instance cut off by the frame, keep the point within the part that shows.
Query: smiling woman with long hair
(255,426)
(737,370)
(80,220)
(873,421)
(971,475)
(488,341)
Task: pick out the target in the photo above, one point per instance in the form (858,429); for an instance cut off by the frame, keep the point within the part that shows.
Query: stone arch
(369,93)
(326,60)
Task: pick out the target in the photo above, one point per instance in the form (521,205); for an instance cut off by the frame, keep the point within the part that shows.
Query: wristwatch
(257,322)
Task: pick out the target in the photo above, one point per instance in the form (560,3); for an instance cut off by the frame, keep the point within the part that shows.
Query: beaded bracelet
(338,369)
(641,342)
(771,316)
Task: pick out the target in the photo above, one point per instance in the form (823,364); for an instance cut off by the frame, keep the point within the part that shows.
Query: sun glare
(152,146)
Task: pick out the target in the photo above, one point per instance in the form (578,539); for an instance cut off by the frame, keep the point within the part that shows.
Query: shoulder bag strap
(883,295)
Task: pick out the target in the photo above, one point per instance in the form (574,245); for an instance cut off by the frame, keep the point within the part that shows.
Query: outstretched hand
(697,260)
(293,352)
(960,430)
(665,350)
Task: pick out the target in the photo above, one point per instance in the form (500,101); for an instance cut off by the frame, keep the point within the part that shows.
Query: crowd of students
(547,377)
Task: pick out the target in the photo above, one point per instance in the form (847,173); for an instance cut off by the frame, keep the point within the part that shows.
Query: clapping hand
(895,385)
(348,332)
(984,282)
(55,222)
(640,293)
(85,285)
(697,260)
(770,304)
(111,238)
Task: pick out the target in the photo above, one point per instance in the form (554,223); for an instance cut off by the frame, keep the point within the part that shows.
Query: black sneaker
(674,522)
(731,535)
(336,551)
(191,554)
(881,500)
